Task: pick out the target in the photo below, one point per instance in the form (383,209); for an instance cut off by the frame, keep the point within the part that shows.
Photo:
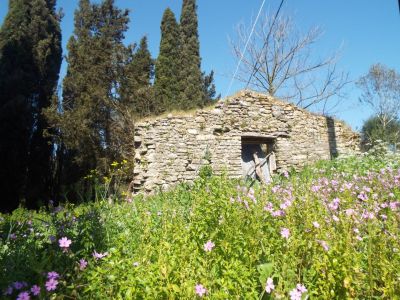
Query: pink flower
(295,294)
(301,288)
(51,284)
(269,207)
(324,245)
(316,224)
(35,290)
(285,233)
(64,243)
(362,196)
(200,290)
(209,246)
(99,255)
(52,275)
(334,205)
(82,264)
(270,285)
(23,296)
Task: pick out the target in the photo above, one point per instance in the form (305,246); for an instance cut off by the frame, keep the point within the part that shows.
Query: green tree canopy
(136,89)
(30,59)
(374,130)
(167,66)
(90,88)
(191,83)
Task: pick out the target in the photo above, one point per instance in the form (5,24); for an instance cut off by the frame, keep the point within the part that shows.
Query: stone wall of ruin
(173,148)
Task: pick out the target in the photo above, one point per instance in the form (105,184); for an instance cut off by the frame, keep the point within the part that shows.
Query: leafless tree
(279,60)
(381,91)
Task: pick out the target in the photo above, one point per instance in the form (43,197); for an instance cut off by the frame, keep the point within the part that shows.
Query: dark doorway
(258,158)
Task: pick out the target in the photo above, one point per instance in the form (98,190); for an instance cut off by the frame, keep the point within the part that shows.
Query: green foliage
(136,90)
(343,241)
(30,59)
(90,98)
(167,67)
(209,92)
(374,130)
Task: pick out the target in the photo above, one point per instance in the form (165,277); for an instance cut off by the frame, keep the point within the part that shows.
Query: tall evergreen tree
(191,83)
(95,57)
(136,89)
(30,59)
(167,75)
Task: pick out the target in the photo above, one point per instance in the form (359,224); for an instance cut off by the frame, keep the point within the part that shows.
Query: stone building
(172,149)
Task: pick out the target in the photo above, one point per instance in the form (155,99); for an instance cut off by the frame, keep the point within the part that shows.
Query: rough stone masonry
(173,148)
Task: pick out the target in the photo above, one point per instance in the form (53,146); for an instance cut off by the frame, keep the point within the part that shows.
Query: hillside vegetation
(328,232)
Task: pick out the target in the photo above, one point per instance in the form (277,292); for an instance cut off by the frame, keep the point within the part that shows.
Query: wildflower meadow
(330,231)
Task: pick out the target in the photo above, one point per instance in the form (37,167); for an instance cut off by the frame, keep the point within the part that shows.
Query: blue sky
(368,31)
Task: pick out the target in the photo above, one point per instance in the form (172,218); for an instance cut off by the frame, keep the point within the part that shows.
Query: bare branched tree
(381,92)
(280,61)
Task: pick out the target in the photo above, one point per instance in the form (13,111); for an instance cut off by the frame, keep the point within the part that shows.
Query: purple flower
(52,275)
(8,290)
(362,196)
(35,290)
(316,224)
(64,243)
(52,238)
(295,294)
(269,207)
(209,246)
(23,296)
(301,288)
(19,285)
(334,205)
(99,255)
(350,212)
(82,264)
(270,285)
(13,236)
(324,245)
(285,233)
(51,284)
(200,290)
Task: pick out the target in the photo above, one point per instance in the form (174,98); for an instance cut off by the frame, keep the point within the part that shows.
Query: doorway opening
(258,158)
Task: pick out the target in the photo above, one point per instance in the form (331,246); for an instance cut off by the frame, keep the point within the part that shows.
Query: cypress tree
(30,59)
(167,67)
(47,53)
(191,83)
(136,90)
(95,56)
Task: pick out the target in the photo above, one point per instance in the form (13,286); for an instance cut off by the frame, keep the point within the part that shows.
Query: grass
(328,232)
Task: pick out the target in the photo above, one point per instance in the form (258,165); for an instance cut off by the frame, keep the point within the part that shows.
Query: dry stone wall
(173,148)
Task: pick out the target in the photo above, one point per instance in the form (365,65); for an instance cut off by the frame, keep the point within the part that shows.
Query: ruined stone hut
(172,149)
